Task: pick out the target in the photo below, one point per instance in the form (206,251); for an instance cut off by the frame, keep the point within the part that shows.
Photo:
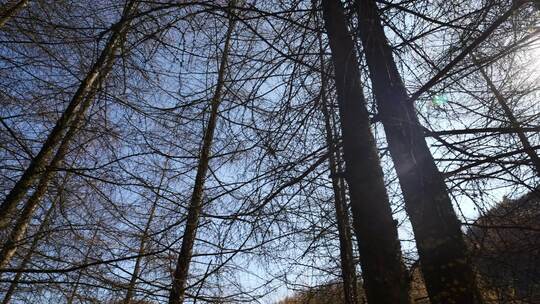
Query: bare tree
(184,258)
(514,123)
(380,253)
(348,267)
(272,201)
(39,163)
(443,253)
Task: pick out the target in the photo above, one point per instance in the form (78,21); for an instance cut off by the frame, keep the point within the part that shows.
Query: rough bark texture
(514,123)
(180,275)
(443,254)
(348,269)
(380,254)
(8,11)
(39,162)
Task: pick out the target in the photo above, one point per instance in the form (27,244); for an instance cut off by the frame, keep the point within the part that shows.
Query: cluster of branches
(213,151)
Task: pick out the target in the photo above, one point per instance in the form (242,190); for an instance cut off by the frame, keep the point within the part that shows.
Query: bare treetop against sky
(318,151)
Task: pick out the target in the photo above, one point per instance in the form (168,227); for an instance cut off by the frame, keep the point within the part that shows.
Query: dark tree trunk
(10,245)
(380,255)
(17,233)
(26,259)
(86,88)
(443,253)
(182,265)
(348,269)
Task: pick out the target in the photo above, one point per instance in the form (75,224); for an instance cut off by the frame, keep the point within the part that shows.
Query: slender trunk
(10,245)
(39,162)
(348,269)
(8,12)
(73,293)
(182,266)
(15,282)
(443,253)
(142,248)
(514,123)
(380,254)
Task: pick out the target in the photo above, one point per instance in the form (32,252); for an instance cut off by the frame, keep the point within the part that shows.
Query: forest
(270,151)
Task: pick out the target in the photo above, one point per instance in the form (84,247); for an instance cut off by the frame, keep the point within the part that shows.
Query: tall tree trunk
(182,265)
(10,245)
(348,269)
(86,88)
(7,12)
(514,123)
(380,254)
(443,253)
(142,248)
(15,282)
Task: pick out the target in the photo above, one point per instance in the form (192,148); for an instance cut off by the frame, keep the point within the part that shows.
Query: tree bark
(39,162)
(8,12)
(443,253)
(348,269)
(10,245)
(514,123)
(380,254)
(179,281)
(35,241)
